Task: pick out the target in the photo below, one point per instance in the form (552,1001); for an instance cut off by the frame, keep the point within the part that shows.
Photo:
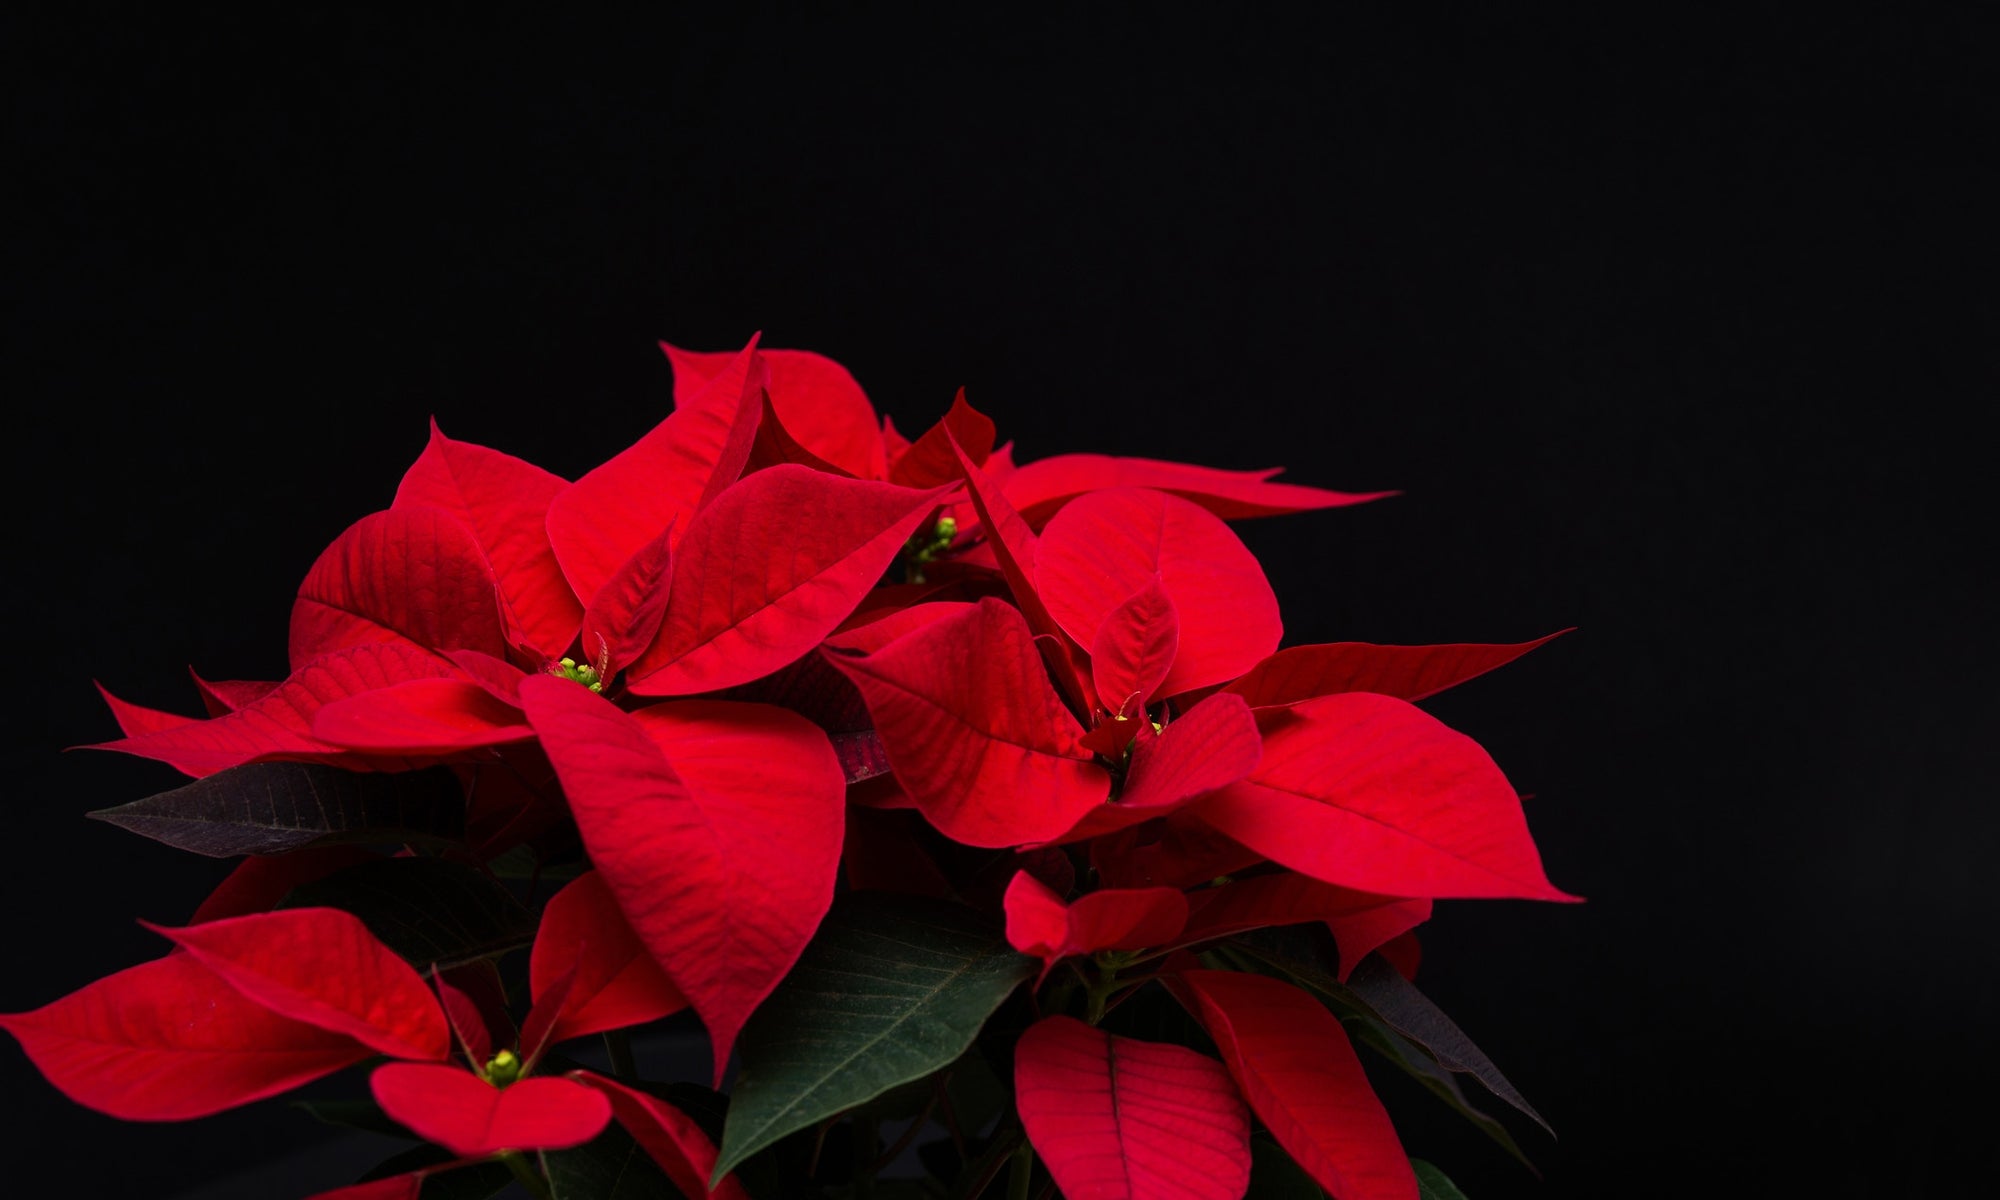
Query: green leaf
(431,911)
(1274,1176)
(365,1115)
(1440,1082)
(611,1166)
(475,1182)
(891,989)
(269,808)
(1432,1184)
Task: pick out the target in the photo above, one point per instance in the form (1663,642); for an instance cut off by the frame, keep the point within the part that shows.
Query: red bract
(1039,923)
(585,946)
(1361,922)
(820,406)
(1038,489)
(471,1118)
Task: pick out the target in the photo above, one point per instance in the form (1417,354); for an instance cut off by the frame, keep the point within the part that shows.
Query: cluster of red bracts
(692,654)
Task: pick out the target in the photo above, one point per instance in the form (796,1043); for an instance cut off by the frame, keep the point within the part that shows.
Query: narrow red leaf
(1107,545)
(422,717)
(222,696)
(467,1020)
(1115,1118)
(1134,648)
(1294,1065)
(770,570)
(1041,487)
(504,502)
(471,1118)
(624,616)
(1216,743)
(820,406)
(323,967)
(1369,792)
(1039,923)
(930,459)
(169,1040)
(279,726)
(669,1136)
(716,826)
(1360,921)
(616,983)
(1406,672)
(603,519)
(408,575)
(260,881)
(137,720)
(974,731)
(775,445)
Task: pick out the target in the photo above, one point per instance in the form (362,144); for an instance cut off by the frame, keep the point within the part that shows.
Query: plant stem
(1021,1172)
(618,1044)
(530,1178)
(1100,991)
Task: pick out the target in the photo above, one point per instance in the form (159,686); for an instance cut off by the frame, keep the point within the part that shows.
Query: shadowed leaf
(430,911)
(268,808)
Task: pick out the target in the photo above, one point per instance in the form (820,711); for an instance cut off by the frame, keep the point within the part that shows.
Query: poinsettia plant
(969,809)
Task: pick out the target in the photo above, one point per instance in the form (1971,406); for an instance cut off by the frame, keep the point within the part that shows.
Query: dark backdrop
(1682,335)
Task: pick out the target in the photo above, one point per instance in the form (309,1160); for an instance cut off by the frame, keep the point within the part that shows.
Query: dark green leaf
(428,910)
(365,1115)
(476,1182)
(1440,1082)
(891,989)
(611,1166)
(1274,1176)
(1432,1184)
(522,863)
(269,808)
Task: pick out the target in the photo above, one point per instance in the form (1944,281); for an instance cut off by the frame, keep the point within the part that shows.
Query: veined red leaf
(816,400)
(974,731)
(716,826)
(136,720)
(624,616)
(1134,649)
(604,518)
(410,575)
(221,696)
(775,445)
(504,502)
(1041,487)
(1106,545)
(471,1118)
(279,726)
(1360,921)
(770,570)
(500,678)
(669,1136)
(1178,852)
(261,880)
(1039,923)
(1294,1065)
(323,967)
(1369,792)
(930,460)
(169,1040)
(423,717)
(1406,672)
(616,983)
(1115,1118)
(1214,744)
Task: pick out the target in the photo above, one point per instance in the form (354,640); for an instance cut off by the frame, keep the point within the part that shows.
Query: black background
(1684,335)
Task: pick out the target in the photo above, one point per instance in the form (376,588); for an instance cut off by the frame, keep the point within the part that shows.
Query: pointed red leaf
(1178,852)
(1039,923)
(775,445)
(625,614)
(1115,1118)
(820,406)
(260,881)
(168,1040)
(408,575)
(1360,921)
(1406,672)
(504,502)
(279,726)
(1292,1060)
(770,570)
(222,696)
(471,1118)
(670,1136)
(323,967)
(1214,745)
(1369,792)
(137,720)
(1404,953)
(930,460)
(744,801)
(974,731)
(478,984)
(467,1020)
(1134,648)
(1041,487)
(500,678)
(1106,545)
(421,717)
(604,518)
(616,982)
